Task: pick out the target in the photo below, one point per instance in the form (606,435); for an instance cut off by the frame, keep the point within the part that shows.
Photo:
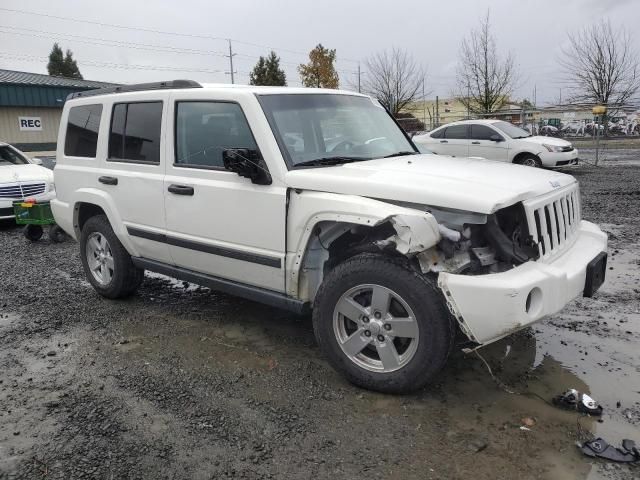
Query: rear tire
(530,161)
(107,265)
(396,348)
(33,233)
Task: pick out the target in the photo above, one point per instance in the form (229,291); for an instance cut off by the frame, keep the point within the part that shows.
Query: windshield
(9,156)
(511,130)
(324,127)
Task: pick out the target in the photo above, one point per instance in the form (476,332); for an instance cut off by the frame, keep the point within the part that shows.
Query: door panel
(455,141)
(481,146)
(133,171)
(218,222)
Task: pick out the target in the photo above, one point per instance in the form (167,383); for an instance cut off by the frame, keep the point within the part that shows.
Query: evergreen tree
(268,72)
(55,66)
(320,72)
(61,65)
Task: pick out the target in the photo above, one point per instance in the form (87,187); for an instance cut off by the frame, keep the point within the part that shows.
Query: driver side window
(204,130)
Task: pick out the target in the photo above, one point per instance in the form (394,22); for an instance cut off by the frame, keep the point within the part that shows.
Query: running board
(250,292)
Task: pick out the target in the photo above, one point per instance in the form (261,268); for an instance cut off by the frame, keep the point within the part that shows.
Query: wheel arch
(91,202)
(318,223)
(521,155)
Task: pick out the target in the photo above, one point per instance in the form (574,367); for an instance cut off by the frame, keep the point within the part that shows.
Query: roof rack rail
(138,87)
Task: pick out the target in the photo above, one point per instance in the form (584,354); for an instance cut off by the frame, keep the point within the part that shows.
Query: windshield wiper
(401,154)
(329,161)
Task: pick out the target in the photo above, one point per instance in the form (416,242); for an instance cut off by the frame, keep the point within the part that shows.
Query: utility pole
(437,111)
(424,106)
(468,101)
(231,55)
(560,96)
(359,90)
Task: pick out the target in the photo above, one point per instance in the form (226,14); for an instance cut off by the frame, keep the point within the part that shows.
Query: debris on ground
(598,447)
(581,402)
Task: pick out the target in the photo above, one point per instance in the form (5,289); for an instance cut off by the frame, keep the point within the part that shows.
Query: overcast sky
(533,30)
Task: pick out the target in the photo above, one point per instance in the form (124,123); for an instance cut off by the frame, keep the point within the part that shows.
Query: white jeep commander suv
(311,199)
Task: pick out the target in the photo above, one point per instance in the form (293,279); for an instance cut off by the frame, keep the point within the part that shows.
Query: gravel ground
(181,382)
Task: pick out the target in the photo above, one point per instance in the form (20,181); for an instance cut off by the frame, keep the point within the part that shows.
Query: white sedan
(21,177)
(498,140)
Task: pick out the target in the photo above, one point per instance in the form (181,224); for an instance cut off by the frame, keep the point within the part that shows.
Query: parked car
(236,188)
(498,140)
(21,177)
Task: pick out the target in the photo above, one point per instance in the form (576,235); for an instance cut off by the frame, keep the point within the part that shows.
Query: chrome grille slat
(554,220)
(21,190)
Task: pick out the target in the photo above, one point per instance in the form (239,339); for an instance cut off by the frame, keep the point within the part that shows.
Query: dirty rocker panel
(257,294)
(201,247)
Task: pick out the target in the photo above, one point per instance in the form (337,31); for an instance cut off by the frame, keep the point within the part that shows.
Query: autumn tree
(268,72)
(485,80)
(394,79)
(601,67)
(320,72)
(62,65)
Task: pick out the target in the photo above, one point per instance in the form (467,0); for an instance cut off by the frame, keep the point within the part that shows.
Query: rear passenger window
(204,130)
(81,139)
(437,133)
(456,132)
(135,132)
(481,132)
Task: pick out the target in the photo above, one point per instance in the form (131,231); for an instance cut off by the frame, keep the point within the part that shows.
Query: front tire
(107,265)
(530,161)
(381,324)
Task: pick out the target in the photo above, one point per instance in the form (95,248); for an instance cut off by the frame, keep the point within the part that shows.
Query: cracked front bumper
(489,307)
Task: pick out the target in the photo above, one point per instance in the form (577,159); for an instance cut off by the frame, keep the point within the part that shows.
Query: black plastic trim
(201,247)
(257,294)
(595,275)
(6,212)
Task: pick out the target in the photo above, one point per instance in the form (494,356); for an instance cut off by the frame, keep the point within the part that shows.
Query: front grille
(18,191)
(553,220)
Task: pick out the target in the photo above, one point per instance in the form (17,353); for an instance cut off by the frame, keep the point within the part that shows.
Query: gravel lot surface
(181,382)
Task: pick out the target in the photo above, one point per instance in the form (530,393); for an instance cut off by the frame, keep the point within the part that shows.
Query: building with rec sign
(31,106)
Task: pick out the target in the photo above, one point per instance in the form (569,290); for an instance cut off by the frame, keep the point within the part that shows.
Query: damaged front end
(470,243)
(478,244)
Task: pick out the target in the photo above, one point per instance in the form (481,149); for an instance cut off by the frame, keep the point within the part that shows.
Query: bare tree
(484,80)
(601,67)
(394,79)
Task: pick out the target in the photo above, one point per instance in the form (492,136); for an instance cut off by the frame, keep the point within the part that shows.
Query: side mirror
(37,161)
(246,163)
(496,138)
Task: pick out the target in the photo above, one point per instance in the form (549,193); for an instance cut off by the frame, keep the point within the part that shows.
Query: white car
(21,177)
(315,199)
(498,140)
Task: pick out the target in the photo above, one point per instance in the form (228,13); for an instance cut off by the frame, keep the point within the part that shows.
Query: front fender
(416,230)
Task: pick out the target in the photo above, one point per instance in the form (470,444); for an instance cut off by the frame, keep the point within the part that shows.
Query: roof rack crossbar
(138,87)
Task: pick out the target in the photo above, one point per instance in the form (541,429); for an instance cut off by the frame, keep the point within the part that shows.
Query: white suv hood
(482,186)
(25,173)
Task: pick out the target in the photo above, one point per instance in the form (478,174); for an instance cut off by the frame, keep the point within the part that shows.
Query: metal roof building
(31,106)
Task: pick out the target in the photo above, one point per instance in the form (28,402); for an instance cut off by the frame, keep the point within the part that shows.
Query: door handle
(181,189)
(108,180)
(444,141)
(475,143)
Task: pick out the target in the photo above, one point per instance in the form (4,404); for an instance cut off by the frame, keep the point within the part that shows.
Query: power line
(123,66)
(105,41)
(160,32)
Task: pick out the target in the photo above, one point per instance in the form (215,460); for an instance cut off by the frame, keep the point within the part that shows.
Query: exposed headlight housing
(51,186)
